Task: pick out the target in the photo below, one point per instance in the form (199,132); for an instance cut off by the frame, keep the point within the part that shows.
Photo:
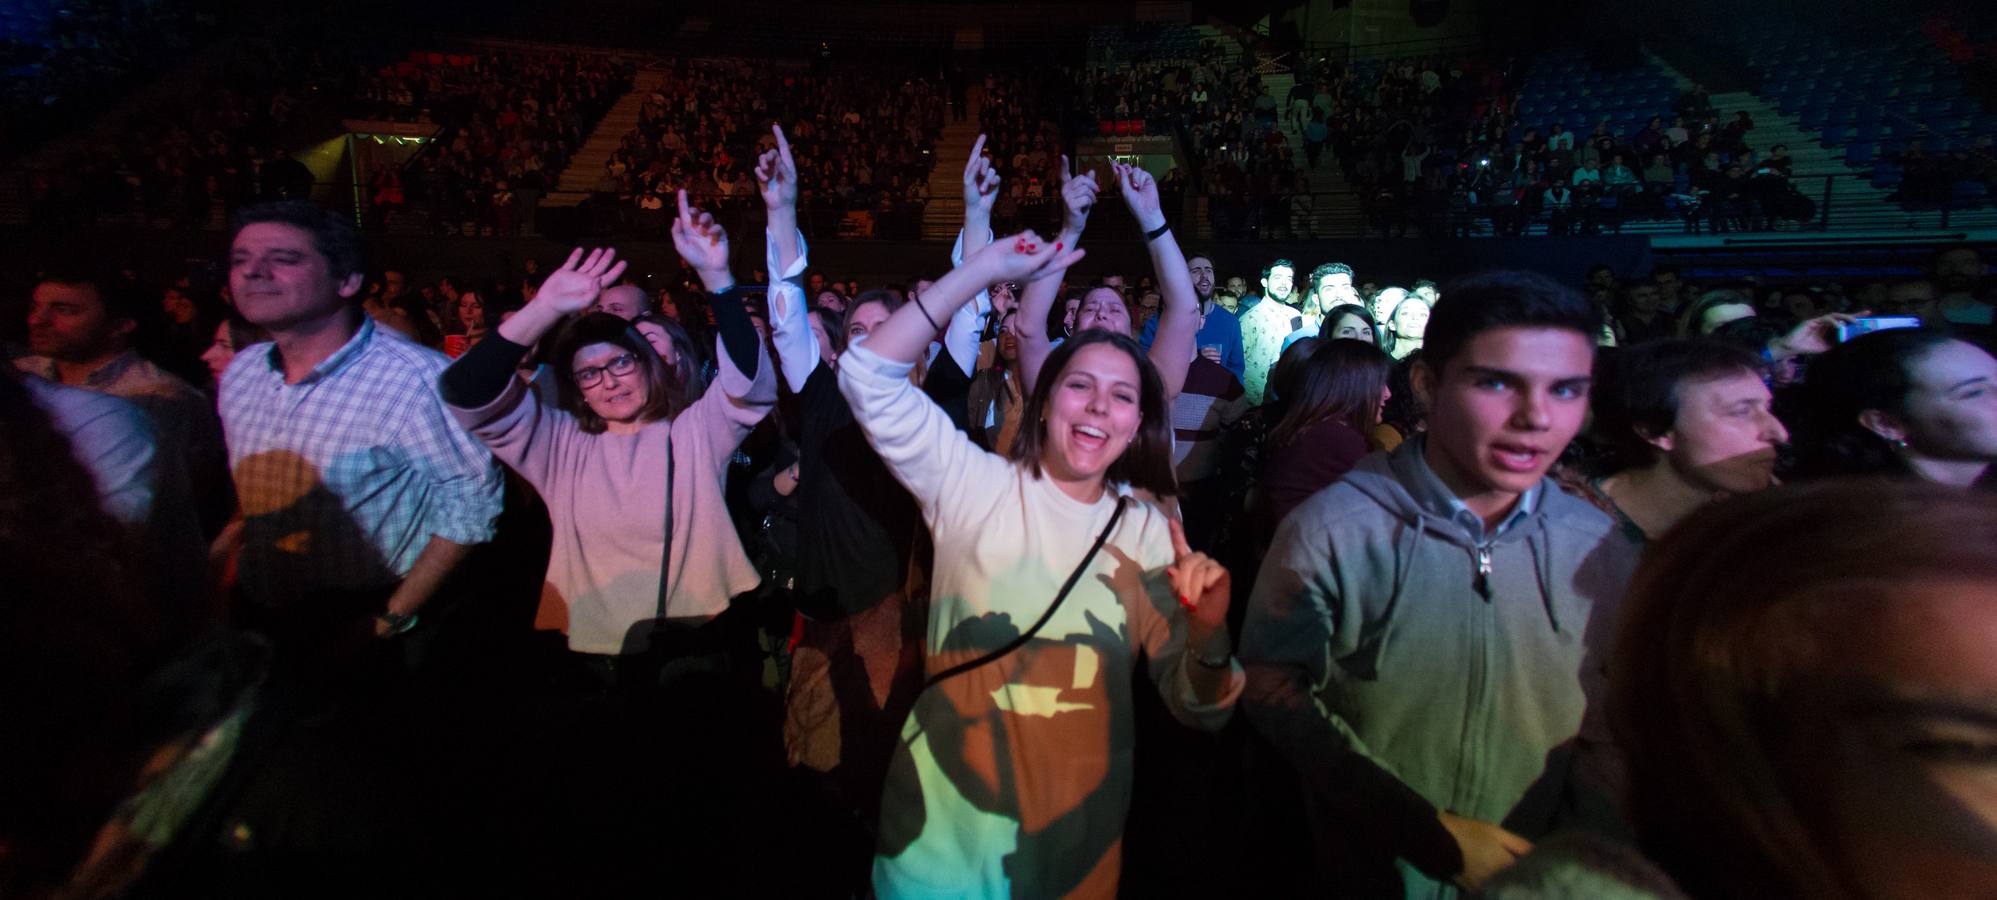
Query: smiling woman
(1026,719)
(632,474)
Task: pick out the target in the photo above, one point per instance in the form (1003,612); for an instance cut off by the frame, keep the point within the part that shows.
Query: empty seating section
(1114,44)
(1892,101)
(1563,88)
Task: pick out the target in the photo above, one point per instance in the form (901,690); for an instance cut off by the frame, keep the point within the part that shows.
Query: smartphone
(1869,324)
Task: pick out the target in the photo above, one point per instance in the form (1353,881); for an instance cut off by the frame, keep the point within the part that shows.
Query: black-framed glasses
(620,365)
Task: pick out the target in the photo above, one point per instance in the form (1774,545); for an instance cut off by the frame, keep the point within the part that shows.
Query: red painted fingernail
(1185,602)
(1057,245)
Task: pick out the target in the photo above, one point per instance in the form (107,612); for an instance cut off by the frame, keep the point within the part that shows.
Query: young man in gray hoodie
(1426,633)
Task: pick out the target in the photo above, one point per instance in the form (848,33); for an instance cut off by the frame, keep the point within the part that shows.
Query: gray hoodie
(1405,661)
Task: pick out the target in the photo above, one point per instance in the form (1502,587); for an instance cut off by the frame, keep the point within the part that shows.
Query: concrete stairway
(1855,205)
(1335,207)
(943,215)
(586,166)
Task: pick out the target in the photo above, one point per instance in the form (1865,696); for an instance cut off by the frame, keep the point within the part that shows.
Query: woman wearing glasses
(622,442)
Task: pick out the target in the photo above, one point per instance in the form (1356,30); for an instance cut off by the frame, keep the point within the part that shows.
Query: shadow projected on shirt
(1030,737)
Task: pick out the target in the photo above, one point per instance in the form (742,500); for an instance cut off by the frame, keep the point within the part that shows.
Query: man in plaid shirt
(354,483)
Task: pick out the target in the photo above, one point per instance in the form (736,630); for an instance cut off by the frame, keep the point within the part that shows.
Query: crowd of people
(190,159)
(511,120)
(866,137)
(1013,582)
(61,61)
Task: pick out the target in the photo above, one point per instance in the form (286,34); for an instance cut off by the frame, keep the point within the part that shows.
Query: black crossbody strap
(1029,633)
(666,551)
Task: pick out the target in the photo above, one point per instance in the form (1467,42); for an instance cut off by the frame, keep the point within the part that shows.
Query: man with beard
(1219,337)
(1264,326)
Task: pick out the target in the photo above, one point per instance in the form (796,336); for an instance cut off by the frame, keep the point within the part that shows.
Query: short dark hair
(603,328)
(1636,390)
(1147,463)
(1279,262)
(333,235)
(121,299)
(1504,299)
(1331,268)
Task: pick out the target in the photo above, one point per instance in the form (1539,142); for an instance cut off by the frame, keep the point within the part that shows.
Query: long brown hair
(1342,381)
(1723,626)
(1147,463)
(663,399)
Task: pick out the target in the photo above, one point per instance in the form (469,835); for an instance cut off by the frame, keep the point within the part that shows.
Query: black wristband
(1157,232)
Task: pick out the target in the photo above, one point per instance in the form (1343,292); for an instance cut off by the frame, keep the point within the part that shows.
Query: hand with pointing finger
(776,174)
(703,243)
(1204,590)
(1078,197)
(981,182)
(1140,191)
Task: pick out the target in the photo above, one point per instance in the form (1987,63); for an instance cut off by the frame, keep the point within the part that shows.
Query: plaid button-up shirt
(345,476)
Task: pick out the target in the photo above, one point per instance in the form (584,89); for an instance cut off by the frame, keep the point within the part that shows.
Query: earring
(1899,444)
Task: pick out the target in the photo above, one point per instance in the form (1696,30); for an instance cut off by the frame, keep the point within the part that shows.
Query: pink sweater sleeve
(520,431)
(732,406)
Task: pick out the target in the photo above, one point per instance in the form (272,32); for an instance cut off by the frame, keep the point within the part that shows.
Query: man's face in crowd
(1103,308)
(1238,286)
(1726,434)
(814,283)
(1336,288)
(1201,269)
(1602,278)
(1280,281)
(1957,270)
(1667,285)
(1502,410)
(280,279)
(624,301)
(70,322)
(1644,299)
(1913,298)
(392,284)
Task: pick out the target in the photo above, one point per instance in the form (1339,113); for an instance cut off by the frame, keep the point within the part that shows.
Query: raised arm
(785,254)
(906,335)
(981,187)
(703,243)
(967,324)
(1078,197)
(1179,319)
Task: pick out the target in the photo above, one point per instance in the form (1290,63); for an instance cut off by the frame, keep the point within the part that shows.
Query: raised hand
(981,182)
(1140,191)
(776,174)
(1813,336)
(1203,587)
(1024,257)
(574,286)
(1078,196)
(703,243)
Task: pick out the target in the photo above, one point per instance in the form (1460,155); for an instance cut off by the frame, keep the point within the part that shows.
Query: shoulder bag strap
(1029,633)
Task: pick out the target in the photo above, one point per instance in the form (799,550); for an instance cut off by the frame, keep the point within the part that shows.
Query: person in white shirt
(1024,727)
